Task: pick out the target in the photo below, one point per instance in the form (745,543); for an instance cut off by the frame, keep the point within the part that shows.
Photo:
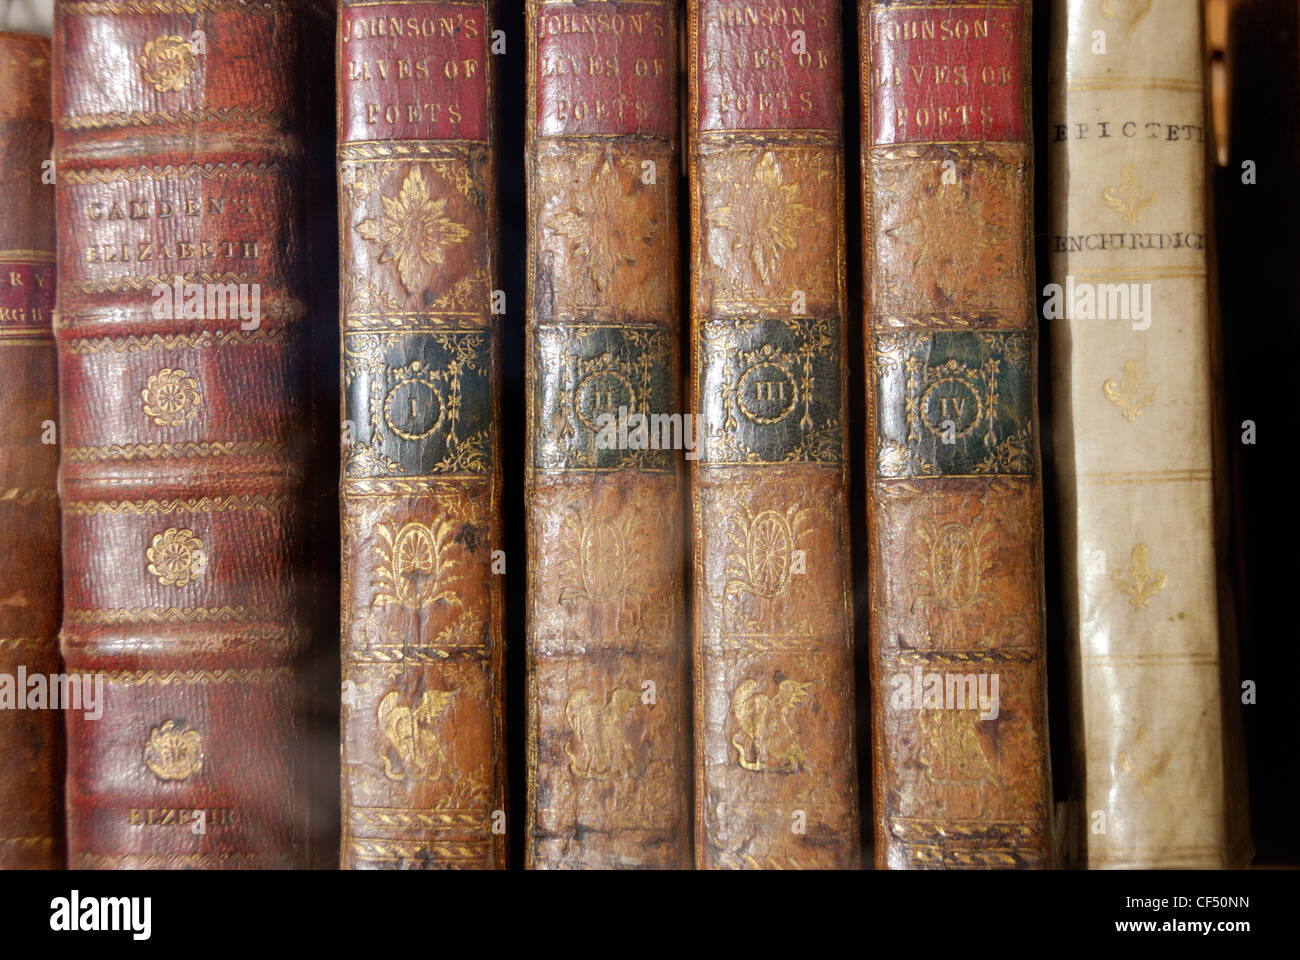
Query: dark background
(1259,296)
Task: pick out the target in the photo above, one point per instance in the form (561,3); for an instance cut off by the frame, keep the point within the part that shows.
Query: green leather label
(418,404)
(605,398)
(954,403)
(770,390)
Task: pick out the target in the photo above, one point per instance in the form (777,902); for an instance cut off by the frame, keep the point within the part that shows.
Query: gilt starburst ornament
(769,221)
(413,230)
(947,235)
(601,226)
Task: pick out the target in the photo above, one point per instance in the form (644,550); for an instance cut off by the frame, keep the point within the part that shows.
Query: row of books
(689,629)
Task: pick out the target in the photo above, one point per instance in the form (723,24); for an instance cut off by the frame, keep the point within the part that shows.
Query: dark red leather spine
(31,741)
(180,325)
(423,754)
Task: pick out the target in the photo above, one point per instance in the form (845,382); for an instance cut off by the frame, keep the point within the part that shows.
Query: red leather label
(605,71)
(944,74)
(26,294)
(768,65)
(413,71)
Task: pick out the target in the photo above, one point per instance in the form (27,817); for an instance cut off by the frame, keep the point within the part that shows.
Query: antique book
(1132,361)
(180,326)
(423,752)
(31,740)
(960,767)
(775,758)
(609,775)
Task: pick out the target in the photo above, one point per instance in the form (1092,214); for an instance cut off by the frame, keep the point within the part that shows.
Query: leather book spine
(960,774)
(180,321)
(31,740)
(423,751)
(608,697)
(775,765)
(1133,355)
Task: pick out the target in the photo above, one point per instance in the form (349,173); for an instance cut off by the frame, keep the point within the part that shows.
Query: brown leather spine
(960,772)
(423,763)
(31,741)
(776,780)
(608,698)
(179,331)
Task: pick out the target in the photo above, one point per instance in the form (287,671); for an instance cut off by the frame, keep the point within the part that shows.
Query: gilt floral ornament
(1129,12)
(1130,394)
(769,222)
(174,751)
(167,63)
(176,557)
(413,230)
(1127,199)
(171,397)
(606,202)
(1139,583)
(937,216)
